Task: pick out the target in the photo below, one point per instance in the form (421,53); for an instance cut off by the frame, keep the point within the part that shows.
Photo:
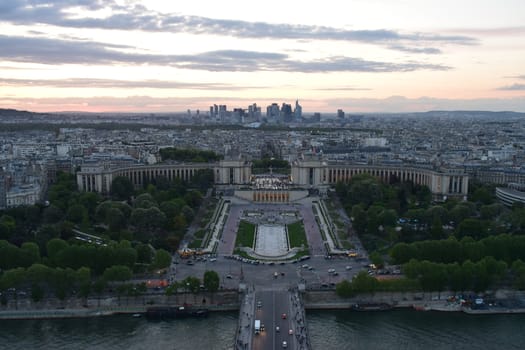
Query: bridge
(272,319)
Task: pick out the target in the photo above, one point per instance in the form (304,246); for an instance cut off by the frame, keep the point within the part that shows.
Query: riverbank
(98,307)
(504,302)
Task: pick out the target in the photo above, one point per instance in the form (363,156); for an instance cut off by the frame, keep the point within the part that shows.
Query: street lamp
(187,289)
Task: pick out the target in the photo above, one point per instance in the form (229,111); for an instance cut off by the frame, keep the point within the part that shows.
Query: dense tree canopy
(211,281)
(189,155)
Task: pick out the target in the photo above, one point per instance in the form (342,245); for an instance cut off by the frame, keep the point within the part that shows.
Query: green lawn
(245,234)
(199,234)
(297,235)
(196,243)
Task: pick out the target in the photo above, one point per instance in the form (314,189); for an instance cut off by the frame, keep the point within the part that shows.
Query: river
(400,329)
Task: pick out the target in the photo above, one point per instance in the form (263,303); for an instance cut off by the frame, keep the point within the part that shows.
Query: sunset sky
(169,56)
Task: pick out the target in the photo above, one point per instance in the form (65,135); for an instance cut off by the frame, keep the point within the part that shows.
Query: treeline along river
(391,330)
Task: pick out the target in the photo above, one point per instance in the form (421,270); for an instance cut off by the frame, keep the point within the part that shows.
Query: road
(314,274)
(273,305)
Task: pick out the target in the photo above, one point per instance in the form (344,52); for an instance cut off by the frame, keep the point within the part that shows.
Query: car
(310,268)
(331,270)
(283,316)
(259,304)
(229,277)
(277,329)
(213,259)
(305,266)
(290,331)
(285,344)
(348,267)
(336,273)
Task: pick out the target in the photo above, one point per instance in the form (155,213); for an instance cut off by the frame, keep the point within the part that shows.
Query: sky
(362,56)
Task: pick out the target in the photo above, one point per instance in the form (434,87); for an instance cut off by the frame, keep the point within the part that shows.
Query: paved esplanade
(271,240)
(280,312)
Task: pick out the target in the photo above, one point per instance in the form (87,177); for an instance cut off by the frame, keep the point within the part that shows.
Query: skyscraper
(298,111)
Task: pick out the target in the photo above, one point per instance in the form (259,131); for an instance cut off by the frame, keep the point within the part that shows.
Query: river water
(392,330)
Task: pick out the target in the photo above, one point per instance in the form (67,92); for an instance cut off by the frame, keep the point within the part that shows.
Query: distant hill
(7,112)
(501,114)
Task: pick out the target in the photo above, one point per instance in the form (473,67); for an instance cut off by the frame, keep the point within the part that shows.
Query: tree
(123,207)
(344,289)
(139,218)
(436,230)
(377,259)
(38,273)
(101,211)
(145,200)
(162,259)
(460,212)
(76,213)
(203,179)
(52,214)
(83,281)
(491,211)
(121,188)
(388,217)
(61,281)
(482,195)
(437,211)
(170,209)
(359,218)
(472,227)
(364,189)
(147,219)
(455,277)
(37,292)
(192,284)
(402,253)
(144,253)
(7,226)
(115,219)
(188,213)
(31,253)
(89,201)
(364,283)
(179,223)
(117,273)
(211,281)
(518,270)
(54,246)
(193,198)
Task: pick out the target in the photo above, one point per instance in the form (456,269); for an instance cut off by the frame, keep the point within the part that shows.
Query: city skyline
(359,56)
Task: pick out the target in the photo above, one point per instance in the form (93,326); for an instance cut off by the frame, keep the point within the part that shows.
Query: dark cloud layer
(57,51)
(128,84)
(136,17)
(513,87)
